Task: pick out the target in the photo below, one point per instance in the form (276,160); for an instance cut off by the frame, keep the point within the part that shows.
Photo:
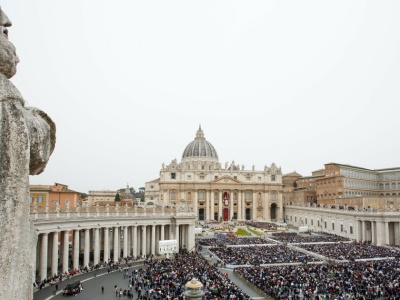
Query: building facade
(53,195)
(346,185)
(217,192)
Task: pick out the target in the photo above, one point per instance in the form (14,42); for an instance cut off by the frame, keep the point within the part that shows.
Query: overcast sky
(298,83)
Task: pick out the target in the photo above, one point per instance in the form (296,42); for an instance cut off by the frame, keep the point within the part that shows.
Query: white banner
(168,246)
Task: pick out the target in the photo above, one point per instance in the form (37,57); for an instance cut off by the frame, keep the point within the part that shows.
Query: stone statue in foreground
(27,139)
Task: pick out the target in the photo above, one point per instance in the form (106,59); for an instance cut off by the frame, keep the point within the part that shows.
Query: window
(272,177)
(172,195)
(151,198)
(295,219)
(333,226)
(151,186)
(318,224)
(341,227)
(248,178)
(55,202)
(235,177)
(30,199)
(259,178)
(325,225)
(66,202)
(173,175)
(189,177)
(351,229)
(201,176)
(312,222)
(216,177)
(306,221)
(40,199)
(201,195)
(247,195)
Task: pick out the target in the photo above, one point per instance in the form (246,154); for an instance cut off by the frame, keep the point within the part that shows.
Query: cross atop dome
(200,133)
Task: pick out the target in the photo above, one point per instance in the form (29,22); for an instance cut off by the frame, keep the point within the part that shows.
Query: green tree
(117,197)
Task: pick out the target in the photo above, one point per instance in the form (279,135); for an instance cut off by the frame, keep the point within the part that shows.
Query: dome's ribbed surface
(200,147)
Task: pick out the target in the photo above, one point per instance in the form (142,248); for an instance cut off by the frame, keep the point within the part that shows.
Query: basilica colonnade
(71,243)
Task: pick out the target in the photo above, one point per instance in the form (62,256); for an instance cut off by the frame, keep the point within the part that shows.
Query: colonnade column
(54,255)
(153,239)
(43,255)
(387,234)
(196,203)
(190,237)
(373,232)
(240,217)
(231,205)
(280,201)
(106,245)
(379,239)
(134,241)
(144,240)
(219,205)
(177,234)
(96,252)
(396,232)
(212,201)
(87,248)
(254,206)
(162,237)
(363,231)
(65,251)
(116,243)
(76,250)
(208,205)
(125,241)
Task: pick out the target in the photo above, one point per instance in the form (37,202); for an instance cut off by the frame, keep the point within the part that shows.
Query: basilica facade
(215,191)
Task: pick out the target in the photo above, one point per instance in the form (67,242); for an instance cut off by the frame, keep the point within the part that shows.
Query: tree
(117,197)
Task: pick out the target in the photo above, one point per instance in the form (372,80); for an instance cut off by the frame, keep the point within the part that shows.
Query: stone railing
(96,211)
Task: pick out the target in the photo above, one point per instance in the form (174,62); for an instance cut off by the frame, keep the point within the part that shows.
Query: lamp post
(194,289)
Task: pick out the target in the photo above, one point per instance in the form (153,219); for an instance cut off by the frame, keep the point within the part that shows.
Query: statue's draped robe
(27,138)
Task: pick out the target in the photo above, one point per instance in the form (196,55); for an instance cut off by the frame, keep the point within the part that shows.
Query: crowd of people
(351,251)
(260,255)
(224,240)
(360,280)
(167,278)
(293,237)
(263,225)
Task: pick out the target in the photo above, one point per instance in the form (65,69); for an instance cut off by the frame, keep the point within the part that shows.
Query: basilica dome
(200,148)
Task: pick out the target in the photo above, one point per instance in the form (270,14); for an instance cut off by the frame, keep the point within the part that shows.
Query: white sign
(168,246)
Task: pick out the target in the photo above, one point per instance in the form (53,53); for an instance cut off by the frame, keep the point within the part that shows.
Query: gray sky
(298,83)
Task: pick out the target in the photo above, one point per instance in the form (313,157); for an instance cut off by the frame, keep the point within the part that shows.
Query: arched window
(248,196)
(235,196)
(393,186)
(387,186)
(215,196)
(201,195)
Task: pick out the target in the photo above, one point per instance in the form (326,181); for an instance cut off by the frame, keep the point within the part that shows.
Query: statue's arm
(42,139)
